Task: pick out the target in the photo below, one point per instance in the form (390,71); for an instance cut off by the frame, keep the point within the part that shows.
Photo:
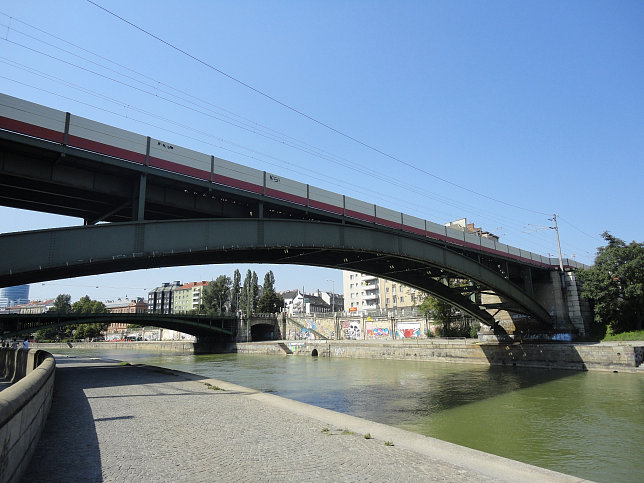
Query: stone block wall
(24,407)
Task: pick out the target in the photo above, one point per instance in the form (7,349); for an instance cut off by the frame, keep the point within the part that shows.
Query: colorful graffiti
(408,331)
(378,332)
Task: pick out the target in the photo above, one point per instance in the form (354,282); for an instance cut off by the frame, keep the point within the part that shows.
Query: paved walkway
(111,422)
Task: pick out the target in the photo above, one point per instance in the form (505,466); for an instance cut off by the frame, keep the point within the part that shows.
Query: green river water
(587,424)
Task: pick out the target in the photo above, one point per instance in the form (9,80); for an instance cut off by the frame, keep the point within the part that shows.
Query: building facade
(371,295)
(188,297)
(126,306)
(10,296)
(299,303)
(161,299)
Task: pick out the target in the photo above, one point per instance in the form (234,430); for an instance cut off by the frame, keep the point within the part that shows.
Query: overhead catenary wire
(307,116)
(445,202)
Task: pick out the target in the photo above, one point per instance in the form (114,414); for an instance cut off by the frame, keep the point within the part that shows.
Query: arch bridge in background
(88,250)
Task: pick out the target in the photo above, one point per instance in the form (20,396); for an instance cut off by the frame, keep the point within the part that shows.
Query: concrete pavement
(112,422)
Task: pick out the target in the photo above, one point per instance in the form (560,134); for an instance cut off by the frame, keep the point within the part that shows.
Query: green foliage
(52,334)
(441,312)
(269,302)
(615,285)
(236,292)
(216,295)
(248,296)
(62,304)
(88,306)
(435,309)
(634,335)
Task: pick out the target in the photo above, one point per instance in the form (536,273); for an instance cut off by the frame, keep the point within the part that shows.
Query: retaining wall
(620,357)
(24,407)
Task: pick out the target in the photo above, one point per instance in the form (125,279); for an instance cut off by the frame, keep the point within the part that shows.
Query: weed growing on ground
(367,436)
(346,431)
(389,443)
(325,430)
(213,387)
(124,363)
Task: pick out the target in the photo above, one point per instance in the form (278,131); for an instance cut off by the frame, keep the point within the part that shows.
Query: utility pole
(534,228)
(556,229)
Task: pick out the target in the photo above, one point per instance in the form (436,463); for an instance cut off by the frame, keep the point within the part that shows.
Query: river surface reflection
(588,424)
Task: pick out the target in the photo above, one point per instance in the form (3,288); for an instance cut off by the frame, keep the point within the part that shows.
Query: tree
(216,295)
(254,291)
(614,285)
(438,310)
(88,306)
(236,291)
(62,304)
(269,302)
(245,297)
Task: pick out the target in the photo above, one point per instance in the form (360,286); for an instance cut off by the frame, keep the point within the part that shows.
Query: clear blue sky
(501,112)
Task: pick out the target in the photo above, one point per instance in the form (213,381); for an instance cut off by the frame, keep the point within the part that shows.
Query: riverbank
(113,422)
(624,356)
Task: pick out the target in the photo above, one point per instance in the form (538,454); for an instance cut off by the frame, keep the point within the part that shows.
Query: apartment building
(161,299)
(371,295)
(188,297)
(361,293)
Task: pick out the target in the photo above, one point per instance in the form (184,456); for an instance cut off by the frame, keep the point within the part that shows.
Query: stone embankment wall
(176,347)
(606,356)
(620,357)
(24,406)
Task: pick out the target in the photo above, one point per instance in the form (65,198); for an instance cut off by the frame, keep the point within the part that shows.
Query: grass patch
(124,363)
(389,443)
(325,430)
(213,387)
(367,436)
(634,335)
(347,432)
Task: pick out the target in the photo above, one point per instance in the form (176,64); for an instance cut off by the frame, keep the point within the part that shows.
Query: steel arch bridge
(88,250)
(219,327)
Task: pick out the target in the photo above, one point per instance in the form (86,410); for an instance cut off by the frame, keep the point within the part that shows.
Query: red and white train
(42,122)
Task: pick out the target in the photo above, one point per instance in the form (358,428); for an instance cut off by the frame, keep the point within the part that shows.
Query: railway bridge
(147,203)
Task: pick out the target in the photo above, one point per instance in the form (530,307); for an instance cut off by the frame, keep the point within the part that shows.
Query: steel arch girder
(67,252)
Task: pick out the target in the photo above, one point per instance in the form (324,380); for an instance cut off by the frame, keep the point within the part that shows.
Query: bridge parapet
(24,407)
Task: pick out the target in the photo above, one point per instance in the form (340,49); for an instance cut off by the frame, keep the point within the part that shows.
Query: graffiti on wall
(408,330)
(351,330)
(378,332)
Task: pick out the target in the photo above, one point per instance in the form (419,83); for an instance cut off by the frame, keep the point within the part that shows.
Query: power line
(311,118)
(296,144)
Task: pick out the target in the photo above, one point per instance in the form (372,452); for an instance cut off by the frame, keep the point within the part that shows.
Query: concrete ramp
(285,348)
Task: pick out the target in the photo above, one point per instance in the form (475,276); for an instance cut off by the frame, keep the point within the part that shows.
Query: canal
(587,424)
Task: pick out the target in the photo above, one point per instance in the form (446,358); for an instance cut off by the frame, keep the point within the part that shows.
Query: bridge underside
(70,252)
(219,328)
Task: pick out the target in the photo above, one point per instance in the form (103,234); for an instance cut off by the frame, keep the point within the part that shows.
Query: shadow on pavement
(68,449)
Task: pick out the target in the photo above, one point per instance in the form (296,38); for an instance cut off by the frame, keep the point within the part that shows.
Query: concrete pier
(112,422)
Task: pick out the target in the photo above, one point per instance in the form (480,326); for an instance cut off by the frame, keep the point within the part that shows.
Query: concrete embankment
(112,422)
(605,356)
(621,357)
(24,406)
